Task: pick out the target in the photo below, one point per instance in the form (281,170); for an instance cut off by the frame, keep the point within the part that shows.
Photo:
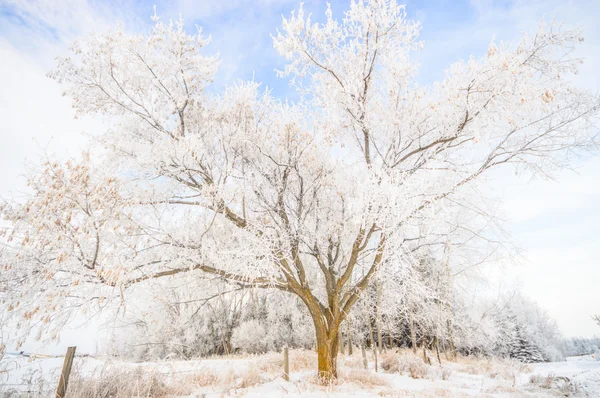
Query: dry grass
(506,369)
(302,359)
(271,363)
(362,378)
(203,379)
(390,362)
(124,384)
(119,383)
(250,378)
(351,361)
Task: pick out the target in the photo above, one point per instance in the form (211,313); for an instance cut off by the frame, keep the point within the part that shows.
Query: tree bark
(451,339)
(349,331)
(436,344)
(411,322)
(448,298)
(378,316)
(327,349)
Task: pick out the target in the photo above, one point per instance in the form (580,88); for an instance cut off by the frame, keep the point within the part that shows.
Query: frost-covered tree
(316,198)
(201,317)
(580,346)
(524,350)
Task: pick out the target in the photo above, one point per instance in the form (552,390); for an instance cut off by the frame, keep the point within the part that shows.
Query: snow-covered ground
(260,376)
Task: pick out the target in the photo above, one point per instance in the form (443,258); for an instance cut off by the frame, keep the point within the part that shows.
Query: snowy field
(400,375)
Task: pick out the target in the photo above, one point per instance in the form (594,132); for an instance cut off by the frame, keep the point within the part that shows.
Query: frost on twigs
(363,179)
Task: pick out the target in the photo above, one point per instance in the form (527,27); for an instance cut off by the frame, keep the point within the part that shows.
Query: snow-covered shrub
(250,336)
(394,362)
(563,385)
(438,373)
(541,381)
(417,369)
(389,362)
(446,373)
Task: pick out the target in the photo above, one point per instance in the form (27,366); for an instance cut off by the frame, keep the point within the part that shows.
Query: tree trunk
(413,335)
(451,339)
(448,298)
(436,343)
(349,331)
(370,336)
(378,316)
(327,349)
(375,358)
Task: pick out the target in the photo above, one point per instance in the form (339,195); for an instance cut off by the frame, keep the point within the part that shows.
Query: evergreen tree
(523,350)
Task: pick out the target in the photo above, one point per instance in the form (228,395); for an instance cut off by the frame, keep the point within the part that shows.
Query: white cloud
(566,281)
(213,8)
(34,117)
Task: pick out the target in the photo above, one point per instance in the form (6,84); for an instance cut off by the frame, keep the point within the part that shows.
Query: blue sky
(554,221)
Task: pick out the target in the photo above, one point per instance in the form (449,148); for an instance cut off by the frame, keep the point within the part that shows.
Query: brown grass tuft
(363,378)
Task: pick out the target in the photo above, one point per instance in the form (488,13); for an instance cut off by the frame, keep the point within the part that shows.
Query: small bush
(393,362)
(561,384)
(249,336)
(417,370)
(389,362)
(415,367)
(446,373)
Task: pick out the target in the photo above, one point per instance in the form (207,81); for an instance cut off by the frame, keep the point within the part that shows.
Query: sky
(554,222)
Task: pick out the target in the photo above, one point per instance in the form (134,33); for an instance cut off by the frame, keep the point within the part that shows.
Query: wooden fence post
(286,364)
(63,382)
(364,355)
